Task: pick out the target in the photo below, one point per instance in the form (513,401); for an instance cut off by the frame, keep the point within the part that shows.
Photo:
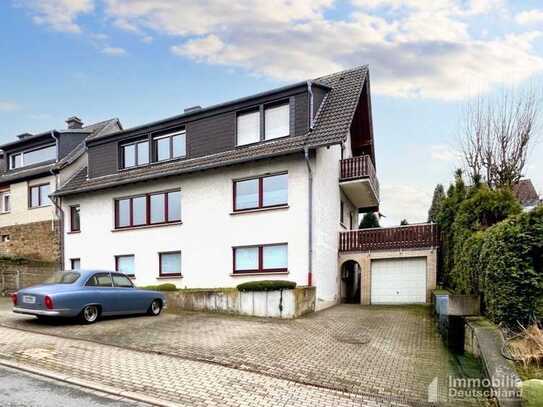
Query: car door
(127,299)
(99,288)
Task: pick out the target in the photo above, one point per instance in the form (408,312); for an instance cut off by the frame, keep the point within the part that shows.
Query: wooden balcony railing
(402,237)
(358,168)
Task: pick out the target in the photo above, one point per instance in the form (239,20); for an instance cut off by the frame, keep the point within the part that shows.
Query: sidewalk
(184,382)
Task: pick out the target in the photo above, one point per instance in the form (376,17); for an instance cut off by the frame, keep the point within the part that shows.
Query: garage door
(398,281)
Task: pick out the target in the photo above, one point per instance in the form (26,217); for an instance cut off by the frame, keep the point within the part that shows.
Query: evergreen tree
(404,222)
(369,220)
(437,200)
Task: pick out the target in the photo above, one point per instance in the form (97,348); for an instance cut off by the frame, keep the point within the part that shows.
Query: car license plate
(29,299)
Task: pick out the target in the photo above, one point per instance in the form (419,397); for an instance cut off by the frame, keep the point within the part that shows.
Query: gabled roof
(331,126)
(525,191)
(42,168)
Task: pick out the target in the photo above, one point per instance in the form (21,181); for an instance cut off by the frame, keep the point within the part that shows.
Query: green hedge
(266,285)
(511,268)
(161,287)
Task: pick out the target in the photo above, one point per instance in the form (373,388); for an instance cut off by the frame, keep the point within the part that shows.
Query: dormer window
(170,146)
(135,154)
(248,128)
(30,157)
(276,119)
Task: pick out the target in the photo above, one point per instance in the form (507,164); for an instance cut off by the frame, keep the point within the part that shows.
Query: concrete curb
(114,391)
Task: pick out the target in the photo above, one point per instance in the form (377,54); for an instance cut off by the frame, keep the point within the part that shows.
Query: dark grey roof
(331,127)
(104,127)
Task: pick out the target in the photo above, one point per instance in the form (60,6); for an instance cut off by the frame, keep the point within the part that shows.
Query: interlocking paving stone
(385,354)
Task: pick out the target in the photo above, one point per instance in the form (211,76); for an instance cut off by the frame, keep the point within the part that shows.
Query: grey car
(87,294)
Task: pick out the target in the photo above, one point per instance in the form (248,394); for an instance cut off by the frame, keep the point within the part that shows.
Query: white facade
(209,228)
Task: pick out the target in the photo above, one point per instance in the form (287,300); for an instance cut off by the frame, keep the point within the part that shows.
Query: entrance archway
(350,282)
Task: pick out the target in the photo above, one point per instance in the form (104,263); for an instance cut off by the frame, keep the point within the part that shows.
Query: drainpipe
(310,217)
(309,192)
(59,210)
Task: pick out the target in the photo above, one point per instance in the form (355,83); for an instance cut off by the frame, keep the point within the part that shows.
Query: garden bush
(161,287)
(511,267)
(267,285)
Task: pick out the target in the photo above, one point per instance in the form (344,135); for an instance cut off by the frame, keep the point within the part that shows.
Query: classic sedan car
(88,295)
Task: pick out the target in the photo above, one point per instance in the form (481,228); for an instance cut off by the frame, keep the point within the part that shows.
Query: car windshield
(63,277)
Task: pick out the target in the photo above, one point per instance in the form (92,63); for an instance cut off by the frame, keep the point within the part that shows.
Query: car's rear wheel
(155,308)
(90,314)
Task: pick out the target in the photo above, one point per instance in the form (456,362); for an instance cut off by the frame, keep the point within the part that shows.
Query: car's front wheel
(155,308)
(90,314)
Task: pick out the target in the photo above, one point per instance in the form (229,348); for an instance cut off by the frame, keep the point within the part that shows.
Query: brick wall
(36,241)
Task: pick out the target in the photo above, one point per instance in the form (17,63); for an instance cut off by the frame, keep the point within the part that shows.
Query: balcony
(358,181)
(419,236)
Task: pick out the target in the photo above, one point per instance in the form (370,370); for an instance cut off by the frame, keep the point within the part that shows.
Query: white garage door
(398,281)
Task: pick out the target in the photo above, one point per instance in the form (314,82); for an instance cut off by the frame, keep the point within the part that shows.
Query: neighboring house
(256,188)
(31,168)
(525,191)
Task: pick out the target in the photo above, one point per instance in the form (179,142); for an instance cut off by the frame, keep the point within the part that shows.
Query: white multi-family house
(31,168)
(264,187)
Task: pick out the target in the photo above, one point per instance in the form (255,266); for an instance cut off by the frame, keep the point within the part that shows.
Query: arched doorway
(350,282)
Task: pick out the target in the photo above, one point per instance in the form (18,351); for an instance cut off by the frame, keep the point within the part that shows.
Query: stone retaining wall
(17,274)
(36,240)
(277,304)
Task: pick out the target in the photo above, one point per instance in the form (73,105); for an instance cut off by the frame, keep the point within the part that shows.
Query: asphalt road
(21,389)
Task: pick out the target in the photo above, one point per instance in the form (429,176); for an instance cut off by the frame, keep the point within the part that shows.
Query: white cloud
(530,17)
(8,106)
(114,51)
(59,15)
(147,39)
(415,48)
(404,202)
(444,153)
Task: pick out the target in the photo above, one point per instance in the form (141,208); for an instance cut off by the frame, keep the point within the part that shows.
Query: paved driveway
(392,353)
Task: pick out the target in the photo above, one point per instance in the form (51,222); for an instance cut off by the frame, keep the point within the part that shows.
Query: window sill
(172,277)
(271,208)
(158,225)
(5,213)
(273,273)
(73,232)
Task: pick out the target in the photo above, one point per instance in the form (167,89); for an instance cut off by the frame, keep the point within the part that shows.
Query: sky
(144,60)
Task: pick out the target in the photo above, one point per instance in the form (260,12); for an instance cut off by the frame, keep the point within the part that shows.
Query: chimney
(193,109)
(74,122)
(23,136)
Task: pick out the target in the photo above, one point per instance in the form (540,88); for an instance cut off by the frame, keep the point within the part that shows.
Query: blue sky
(145,60)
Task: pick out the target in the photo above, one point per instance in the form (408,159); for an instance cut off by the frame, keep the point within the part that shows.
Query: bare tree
(497,135)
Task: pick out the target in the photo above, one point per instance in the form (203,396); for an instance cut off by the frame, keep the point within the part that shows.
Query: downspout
(309,192)
(59,210)
(310,217)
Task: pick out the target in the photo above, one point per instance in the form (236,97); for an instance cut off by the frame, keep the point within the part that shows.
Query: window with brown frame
(125,264)
(169,264)
(38,196)
(262,192)
(135,154)
(150,209)
(75,222)
(270,258)
(170,146)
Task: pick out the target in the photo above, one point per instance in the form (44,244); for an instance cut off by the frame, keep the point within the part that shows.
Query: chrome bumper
(53,313)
